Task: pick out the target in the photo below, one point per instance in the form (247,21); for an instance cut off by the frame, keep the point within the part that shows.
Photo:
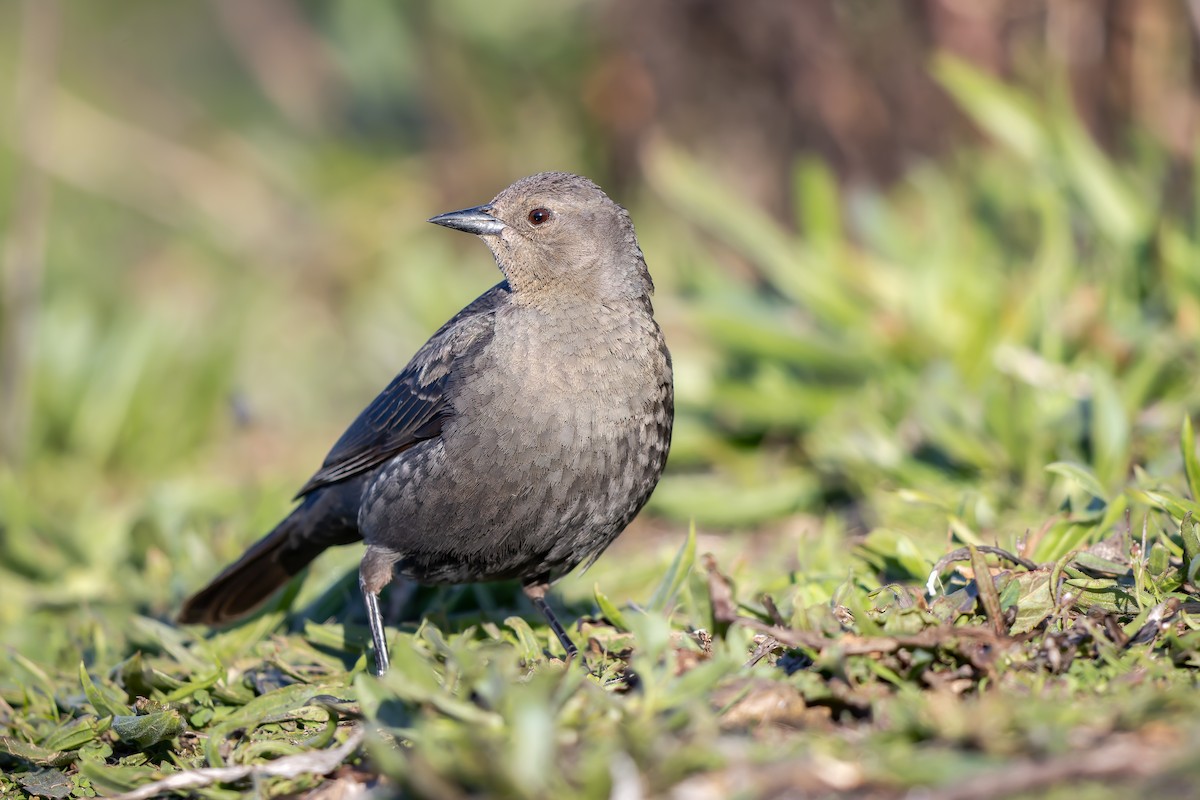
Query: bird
(518,442)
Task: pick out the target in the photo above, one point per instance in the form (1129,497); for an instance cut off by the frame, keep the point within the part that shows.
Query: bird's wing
(414,405)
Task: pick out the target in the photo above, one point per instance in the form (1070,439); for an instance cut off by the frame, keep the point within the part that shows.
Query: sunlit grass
(1000,350)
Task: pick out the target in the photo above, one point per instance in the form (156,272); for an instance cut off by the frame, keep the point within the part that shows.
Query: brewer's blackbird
(518,442)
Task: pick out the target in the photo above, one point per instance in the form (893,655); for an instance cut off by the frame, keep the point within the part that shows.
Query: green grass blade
(609,609)
(1081,475)
(1191,461)
(676,574)
(105,703)
(531,648)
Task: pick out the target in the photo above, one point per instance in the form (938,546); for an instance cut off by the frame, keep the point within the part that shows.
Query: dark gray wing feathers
(413,406)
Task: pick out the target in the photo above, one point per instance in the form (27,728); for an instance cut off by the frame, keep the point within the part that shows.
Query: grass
(935,443)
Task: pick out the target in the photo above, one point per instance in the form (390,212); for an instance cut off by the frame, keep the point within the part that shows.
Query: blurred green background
(907,255)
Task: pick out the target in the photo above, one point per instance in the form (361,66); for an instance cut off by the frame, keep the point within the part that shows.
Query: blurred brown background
(745,85)
(750,84)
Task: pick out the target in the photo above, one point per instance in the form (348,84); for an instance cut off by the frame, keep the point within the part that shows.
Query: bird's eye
(539,215)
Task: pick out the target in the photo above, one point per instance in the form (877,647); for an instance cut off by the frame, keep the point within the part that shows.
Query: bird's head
(558,236)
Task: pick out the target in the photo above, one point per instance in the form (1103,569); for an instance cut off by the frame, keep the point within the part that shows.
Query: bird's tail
(323,520)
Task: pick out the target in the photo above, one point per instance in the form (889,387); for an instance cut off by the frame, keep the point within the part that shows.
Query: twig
(1118,758)
(720,592)
(989,598)
(964,554)
(851,645)
(1157,621)
(773,611)
(320,762)
(768,644)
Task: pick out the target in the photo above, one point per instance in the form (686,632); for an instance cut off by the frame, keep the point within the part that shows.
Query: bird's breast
(560,394)
(556,439)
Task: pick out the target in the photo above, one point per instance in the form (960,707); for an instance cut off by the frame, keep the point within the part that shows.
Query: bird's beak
(475,220)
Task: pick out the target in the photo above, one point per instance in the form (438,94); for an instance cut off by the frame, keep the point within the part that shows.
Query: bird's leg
(537,593)
(375,620)
(374,573)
